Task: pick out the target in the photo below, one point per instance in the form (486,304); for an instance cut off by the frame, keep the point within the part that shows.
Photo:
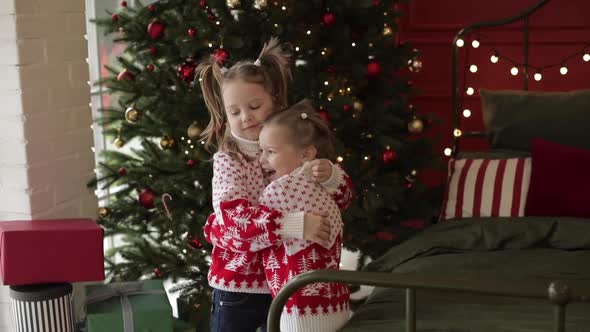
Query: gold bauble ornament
(167,142)
(358,106)
(104,212)
(416,126)
(260,4)
(232,4)
(194,131)
(415,65)
(387,31)
(132,115)
(119,142)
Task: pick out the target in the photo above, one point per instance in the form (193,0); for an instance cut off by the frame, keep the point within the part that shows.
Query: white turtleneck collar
(247,146)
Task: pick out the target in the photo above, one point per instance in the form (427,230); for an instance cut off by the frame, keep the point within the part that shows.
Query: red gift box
(51,251)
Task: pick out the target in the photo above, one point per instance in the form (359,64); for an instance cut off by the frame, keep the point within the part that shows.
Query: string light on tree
(448,152)
(538,76)
(494,58)
(475,43)
(586,57)
(514,71)
(466,113)
(460,42)
(473,68)
(470,91)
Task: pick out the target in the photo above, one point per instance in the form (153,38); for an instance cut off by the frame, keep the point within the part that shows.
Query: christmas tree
(346,56)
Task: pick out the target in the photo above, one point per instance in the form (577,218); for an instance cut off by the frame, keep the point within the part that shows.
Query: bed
(488,267)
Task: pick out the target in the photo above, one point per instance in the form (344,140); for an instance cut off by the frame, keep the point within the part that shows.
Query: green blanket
(494,248)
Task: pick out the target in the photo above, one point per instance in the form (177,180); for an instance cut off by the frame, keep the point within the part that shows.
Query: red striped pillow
(486,188)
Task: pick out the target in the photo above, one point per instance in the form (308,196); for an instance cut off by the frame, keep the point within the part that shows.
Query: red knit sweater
(240,227)
(319,307)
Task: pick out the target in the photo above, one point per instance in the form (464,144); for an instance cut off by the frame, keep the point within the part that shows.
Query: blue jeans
(239,312)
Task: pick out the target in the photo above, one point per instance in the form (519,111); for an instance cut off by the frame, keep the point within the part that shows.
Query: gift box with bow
(127,307)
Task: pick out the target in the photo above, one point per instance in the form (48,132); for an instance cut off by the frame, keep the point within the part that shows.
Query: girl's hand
(321,170)
(316,228)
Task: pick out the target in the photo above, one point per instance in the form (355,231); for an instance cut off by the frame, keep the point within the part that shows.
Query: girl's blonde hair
(305,127)
(271,70)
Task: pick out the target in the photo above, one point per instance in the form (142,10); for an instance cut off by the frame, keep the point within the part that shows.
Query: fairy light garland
(515,69)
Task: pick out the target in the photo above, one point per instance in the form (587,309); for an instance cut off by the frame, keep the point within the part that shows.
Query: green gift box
(128,307)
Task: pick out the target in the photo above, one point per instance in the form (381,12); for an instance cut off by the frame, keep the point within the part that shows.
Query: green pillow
(514,118)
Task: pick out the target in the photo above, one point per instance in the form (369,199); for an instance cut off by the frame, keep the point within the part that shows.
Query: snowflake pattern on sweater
(245,227)
(320,306)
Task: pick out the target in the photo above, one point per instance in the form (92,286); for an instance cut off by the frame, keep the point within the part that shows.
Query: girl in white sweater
(289,141)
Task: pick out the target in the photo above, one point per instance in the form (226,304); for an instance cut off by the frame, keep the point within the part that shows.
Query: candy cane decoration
(166,195)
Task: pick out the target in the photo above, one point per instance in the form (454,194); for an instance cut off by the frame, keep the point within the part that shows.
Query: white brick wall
(45,135)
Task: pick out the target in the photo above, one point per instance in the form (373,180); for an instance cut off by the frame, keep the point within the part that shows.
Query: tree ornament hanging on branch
(132,115)
(125,75)
(220,55)
(104,212)
(194,131)
(232,4)
(186,71)
(156,30)
(167,142)
(146,198)
(415,65)
(260,4)
(373,69)
(389,156)
(329,19)
(416,126)
(119,141)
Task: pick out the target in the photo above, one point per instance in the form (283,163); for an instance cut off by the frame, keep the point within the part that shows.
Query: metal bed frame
(524,16)
(560,294)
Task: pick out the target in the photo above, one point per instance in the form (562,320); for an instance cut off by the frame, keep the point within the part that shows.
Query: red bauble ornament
(212,18)
(122,171)
(152,8)
(202,3)
(389,156)
(373,68)
(195,243)
(115,17)
(190,163)
(125,75)
(156,29)
(146,198)
(410,185)
(153,50)
(192,32)
(220,55)
(157,273)
(123,3)
(150,67)
(186,71)
(329,19)
(346,107)
(324,115)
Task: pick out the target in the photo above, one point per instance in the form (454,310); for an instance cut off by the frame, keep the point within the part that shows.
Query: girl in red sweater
(239,99)
(290,141)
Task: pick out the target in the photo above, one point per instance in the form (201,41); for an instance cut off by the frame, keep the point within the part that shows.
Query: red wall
(559,29)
